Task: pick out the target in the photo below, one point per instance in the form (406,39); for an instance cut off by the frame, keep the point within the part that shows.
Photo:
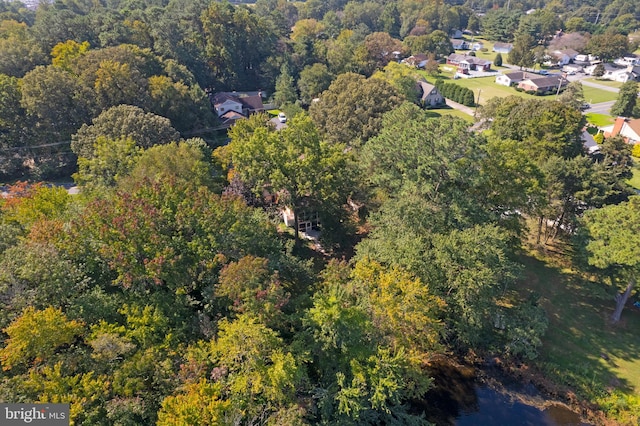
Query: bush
(498,61)
(636,150)
(519,89)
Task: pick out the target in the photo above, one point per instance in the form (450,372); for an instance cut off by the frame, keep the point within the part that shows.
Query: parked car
(584,106)
(282,117)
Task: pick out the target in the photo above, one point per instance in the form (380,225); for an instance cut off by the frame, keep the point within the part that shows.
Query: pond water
(459,400)
(494,408)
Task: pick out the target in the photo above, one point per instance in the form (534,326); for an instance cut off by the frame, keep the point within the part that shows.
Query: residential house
(614,73)
(430,96)
(543,84)
(513,78)
(459,44)
(572,69)
(629,129)
(562,57)
(477,45)
(500,47)
(466,63)
(627,60)
(455,33)
(418,61)
(307,220)
(232,106)
(584,58)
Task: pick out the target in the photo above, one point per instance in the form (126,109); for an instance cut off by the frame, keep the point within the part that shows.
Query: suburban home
(430,96)
(629,129)
(584,58)
(459,44)
(477,45)
(614,73)
(418,61)
(232,106)
(562,57)
(627,60)
(572,69)
(466,63)
(307,220)
(543,84)
(500,47)
(514,78)
(455,33)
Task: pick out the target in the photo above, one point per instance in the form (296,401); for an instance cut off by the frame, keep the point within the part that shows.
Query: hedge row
(456,93)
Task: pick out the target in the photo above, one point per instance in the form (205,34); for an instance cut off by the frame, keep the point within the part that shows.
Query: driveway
(460,107)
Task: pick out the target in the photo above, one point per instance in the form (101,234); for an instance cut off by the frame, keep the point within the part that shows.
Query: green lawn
(581,348)
(635,180)
(599,120)
(609,83)
(594,96)
(437,112)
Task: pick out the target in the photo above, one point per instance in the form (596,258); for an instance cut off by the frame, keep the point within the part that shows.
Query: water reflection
(457,400)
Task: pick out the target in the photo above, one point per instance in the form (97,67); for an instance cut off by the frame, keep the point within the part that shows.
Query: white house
(430,95)
(627,128)
(512,78)
(500,47)
(622,75)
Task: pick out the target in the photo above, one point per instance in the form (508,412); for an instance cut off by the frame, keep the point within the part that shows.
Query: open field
(581,347)
(609,83)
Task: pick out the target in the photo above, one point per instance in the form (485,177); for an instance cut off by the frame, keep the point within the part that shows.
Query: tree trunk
(621,300)
(539,229)
(296,231)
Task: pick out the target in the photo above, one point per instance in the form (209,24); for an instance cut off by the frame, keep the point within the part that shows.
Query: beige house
(430,96)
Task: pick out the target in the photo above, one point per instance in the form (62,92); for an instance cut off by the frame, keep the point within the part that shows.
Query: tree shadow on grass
(581,345)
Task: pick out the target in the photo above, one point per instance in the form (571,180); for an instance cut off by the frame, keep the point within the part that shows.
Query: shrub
(636,150)
(498,61)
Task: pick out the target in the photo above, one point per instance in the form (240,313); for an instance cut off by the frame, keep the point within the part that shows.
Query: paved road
(460,107)
(597,85)
(601,108)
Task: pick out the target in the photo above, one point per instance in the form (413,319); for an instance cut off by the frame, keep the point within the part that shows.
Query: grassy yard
(599,120)
(437,112)
(594,95)
(609,83)
(635,180)
(582,348)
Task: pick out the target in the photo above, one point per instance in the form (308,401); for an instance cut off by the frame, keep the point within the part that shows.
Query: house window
(221,109)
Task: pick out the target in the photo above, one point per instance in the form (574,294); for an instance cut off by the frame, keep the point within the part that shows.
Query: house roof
(456,57)
(426,88)
(545,81)
(220,98)
(419,57)
(518,75)
(500,45)
(252,102)
(634,125)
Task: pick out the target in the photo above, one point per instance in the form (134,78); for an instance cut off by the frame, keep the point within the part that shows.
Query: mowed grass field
(581,348)
(609,83)
(488,88)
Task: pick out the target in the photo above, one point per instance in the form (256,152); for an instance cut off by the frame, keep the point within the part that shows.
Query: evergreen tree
(498,60)
(285,90)
(627,98)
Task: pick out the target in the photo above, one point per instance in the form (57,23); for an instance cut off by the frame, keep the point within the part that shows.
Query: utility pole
(559,84)
(475,111)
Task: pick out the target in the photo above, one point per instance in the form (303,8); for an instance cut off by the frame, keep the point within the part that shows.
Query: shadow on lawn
(581,345)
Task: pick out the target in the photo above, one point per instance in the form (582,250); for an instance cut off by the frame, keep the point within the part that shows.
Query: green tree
(613,243)
(35,336)
(314,80)
(64,53)
(19,50)
(110,162)
(285,90)
(498,60)
(351,110)
(145,129)
(627,99)
(293,162)
(599,70)
(608,46)
(522,52)
(573,95)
